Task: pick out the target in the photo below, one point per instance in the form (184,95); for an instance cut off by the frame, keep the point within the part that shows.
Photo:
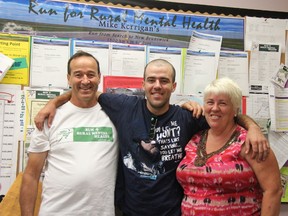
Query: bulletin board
(113,24)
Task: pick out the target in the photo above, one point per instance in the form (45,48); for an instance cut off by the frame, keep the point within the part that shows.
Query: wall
(281,5)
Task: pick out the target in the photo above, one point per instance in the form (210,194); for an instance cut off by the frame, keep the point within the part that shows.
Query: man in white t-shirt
(78,152)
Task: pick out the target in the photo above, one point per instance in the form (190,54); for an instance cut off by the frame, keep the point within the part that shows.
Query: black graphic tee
(151,148)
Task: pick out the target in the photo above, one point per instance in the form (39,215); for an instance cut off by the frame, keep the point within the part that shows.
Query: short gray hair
(228,87)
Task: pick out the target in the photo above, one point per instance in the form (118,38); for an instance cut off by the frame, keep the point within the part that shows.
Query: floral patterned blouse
(224,184)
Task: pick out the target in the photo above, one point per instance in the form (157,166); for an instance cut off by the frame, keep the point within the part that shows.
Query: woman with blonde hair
(217,176)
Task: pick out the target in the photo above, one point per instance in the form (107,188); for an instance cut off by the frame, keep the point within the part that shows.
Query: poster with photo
(123,85)
(281,76)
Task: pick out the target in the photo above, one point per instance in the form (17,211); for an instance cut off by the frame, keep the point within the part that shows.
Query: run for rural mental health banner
(90,21)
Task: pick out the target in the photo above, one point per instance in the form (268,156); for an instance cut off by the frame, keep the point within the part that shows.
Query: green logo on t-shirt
(92,134)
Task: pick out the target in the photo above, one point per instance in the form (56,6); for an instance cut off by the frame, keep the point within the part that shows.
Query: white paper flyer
(5,65)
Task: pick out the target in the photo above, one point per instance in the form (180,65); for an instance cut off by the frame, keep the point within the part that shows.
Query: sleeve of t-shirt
(39,140)
(114,104)
(203,123)
(197,124)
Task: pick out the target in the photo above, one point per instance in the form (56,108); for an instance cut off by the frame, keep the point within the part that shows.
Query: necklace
(202,155)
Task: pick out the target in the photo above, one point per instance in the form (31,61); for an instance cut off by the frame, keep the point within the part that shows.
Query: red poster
(123,85)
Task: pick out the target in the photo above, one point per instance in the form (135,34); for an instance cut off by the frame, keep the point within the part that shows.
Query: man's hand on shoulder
(194,107)
(258,143)
(48,111)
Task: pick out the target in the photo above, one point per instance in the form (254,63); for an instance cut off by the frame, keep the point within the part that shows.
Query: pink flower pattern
(225,185)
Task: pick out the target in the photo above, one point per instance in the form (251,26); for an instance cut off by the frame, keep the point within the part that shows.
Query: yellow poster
(284,181)
(16,47)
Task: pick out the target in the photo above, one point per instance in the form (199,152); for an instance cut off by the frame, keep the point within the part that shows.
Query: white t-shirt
(80,171)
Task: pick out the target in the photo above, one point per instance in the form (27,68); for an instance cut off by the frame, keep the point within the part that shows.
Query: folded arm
(49,110)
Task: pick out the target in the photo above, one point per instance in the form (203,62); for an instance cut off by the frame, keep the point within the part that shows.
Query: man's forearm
(49,110)
(28,195)
(61,99)
(255,139)
(246,122)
